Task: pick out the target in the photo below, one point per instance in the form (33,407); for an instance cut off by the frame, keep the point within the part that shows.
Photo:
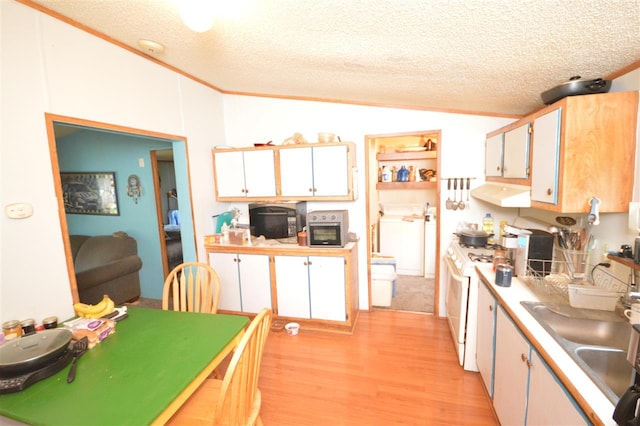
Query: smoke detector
(151,47)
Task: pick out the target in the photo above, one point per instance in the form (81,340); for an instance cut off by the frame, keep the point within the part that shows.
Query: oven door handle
(453,270)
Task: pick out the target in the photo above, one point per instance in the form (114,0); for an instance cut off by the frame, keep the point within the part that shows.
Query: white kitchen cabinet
(314,286)
(507,153)
(485,342)
(584,147)
(511,372)
(327,288)
(315,171)
(244,173)
(544,180)
(292,289)
(245,281)
(549,402)
(526,392)
(493,155)
(311,287)
(515,163)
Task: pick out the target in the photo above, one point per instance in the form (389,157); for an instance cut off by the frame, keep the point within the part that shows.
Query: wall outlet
(19,210)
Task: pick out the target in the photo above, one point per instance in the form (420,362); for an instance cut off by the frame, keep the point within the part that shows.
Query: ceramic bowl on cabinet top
(326,137)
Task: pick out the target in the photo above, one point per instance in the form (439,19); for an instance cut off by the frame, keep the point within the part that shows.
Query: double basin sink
(597,341)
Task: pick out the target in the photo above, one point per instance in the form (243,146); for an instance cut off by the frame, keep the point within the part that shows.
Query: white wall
(249,120)
(56,68)
(48,66)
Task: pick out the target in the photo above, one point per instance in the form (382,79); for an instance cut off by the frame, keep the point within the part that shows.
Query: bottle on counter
(503,223)
(487,226)
(386,174)
(403,174)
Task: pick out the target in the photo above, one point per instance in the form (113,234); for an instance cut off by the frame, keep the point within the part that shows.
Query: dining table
(141,374)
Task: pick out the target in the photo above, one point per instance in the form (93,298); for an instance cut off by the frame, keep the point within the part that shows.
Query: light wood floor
(397,368)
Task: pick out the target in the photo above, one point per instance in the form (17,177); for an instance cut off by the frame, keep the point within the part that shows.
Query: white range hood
(503,194)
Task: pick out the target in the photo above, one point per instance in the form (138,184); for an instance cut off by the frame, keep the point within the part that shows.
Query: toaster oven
(328,228)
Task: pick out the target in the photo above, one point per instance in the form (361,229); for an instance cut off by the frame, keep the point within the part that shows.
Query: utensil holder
(576,261)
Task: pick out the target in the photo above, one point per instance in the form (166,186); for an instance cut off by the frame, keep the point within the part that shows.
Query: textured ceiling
(491,56)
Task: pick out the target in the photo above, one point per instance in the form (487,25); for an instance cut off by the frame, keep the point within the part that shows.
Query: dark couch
(106,264)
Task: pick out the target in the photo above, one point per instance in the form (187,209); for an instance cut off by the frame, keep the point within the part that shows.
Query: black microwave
(277,220)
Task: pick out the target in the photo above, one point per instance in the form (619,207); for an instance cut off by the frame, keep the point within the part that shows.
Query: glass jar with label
(28,326)
(12,329)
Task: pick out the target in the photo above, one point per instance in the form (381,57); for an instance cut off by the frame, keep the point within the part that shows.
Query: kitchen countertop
(590,398)
(275,247)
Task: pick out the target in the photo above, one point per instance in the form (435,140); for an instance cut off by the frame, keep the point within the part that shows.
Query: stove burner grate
(483,258)
(488,246)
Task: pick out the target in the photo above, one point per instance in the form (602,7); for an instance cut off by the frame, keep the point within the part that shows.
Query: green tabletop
(129,378)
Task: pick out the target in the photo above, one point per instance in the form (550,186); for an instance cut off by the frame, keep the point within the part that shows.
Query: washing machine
(402,234)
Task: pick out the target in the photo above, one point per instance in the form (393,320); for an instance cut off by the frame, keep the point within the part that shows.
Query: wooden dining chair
(192,287)
(234,400)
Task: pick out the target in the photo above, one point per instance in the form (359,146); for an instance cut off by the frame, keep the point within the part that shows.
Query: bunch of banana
(104,307)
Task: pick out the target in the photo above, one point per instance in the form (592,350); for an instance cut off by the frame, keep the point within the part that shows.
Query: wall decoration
(90,193)
(134,189)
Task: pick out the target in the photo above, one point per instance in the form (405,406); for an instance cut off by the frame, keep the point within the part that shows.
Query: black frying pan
(473,238)
(30,353)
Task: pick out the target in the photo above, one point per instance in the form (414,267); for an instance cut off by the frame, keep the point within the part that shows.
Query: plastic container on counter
(504,273)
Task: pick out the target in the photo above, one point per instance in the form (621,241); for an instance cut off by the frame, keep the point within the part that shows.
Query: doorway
(402,244)
(168,207)
(81,145)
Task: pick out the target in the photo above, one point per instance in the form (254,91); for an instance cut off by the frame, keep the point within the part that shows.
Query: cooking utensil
(575,86)
(79,348)
(468,190)
(29,353)
(449,203)
(454,204)
(565,220)
(473,238)
(461,204)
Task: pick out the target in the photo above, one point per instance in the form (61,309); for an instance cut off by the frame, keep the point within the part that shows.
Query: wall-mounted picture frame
(90,193)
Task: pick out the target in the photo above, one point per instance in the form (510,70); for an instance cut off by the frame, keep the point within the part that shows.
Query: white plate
(412,149)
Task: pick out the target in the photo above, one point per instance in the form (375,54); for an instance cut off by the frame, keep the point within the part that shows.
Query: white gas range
(462,296)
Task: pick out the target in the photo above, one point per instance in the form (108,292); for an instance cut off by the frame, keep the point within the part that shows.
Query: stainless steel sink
(598,330)
(610,365)
(597,342)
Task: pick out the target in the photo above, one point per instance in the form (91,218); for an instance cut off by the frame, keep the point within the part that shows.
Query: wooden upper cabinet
(584,147)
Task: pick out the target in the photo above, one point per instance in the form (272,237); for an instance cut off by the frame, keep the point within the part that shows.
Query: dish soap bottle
(487,226)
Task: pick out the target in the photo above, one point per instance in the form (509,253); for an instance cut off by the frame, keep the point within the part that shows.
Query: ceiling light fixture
(197,14)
